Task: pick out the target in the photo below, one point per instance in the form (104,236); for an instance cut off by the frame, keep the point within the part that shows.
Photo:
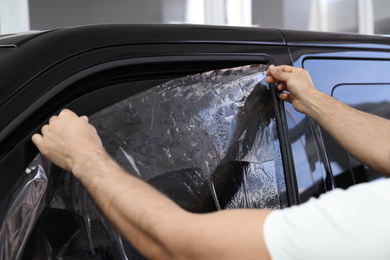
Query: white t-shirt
(341,224)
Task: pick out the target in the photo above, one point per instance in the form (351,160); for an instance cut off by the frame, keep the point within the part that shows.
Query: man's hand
(298,84)
(67,139)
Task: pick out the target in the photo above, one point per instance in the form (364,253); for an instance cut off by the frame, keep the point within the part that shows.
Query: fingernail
(273,68)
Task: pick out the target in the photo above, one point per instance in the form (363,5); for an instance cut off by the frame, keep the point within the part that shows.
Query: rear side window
(208,141)
(374,99)
(362,84)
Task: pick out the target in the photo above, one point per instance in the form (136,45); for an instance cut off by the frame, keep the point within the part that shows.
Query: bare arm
(364,136)
(155,225)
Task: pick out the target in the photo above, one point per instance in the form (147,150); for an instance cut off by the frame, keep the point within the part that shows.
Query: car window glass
(203,132)
(328,73)
(207,141)
(352,82)
(309,174)
(374,99)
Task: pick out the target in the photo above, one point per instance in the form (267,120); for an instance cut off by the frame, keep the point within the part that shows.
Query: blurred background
(358,16)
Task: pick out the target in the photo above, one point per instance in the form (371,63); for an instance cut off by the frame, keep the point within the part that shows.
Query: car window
(350,82)
(310,178)
(91,90)
(374,99)
(194,131)
(208,141)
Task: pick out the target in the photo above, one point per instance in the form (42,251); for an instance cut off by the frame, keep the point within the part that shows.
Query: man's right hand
(298,84)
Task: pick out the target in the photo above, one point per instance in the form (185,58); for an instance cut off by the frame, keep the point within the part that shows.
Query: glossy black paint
(62,44)
(329,40)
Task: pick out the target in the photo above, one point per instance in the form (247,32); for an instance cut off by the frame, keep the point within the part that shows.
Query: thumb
(279,73)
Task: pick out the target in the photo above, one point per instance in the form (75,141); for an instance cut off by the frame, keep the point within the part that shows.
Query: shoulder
(345,223)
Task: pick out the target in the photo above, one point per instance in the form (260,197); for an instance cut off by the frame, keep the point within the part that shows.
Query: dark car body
(44,72)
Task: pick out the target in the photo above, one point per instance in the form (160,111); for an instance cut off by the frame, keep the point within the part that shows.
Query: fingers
(85,118)
(45,129)
(67,112)
(273,76)
(279,74)
(284,96)
(37,139)
(282,87)
(52,119)
(284,68)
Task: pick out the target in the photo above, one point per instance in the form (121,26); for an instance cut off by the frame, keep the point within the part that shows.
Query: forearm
(364,136)
(159,228)
(137,211)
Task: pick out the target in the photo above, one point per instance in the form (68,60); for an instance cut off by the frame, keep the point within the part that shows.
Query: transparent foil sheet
(208,141)
(51,216)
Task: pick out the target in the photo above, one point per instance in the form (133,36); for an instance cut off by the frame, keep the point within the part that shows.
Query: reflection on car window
(328,73)
(207,141)
(310,177)
(348,81)
(374,99)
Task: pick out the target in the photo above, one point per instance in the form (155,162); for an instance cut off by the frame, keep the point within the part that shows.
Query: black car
(183,107)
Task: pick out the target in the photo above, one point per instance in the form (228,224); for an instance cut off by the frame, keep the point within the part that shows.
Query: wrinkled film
(208,141)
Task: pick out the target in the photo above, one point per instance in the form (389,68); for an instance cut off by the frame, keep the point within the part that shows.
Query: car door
(353,69)
(92,82)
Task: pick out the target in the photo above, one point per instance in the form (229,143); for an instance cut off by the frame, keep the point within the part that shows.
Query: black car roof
(112,34)
(40,50)
(334,39)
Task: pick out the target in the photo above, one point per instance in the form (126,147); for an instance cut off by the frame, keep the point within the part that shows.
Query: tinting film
(208,141)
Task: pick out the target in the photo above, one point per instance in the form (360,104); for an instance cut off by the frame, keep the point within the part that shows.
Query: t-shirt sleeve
(341,224)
